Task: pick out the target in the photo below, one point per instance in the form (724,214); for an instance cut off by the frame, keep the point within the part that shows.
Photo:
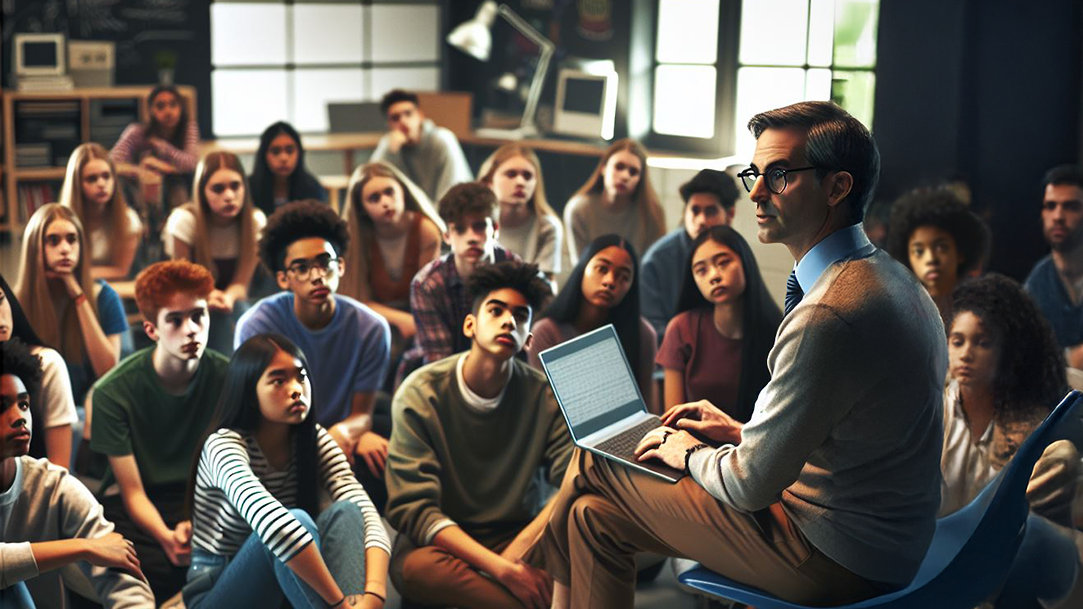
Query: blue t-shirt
(350,355)
(112,319)
(1044,286)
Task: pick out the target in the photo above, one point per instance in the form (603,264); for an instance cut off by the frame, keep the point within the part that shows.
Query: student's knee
(588,518)
(306,521)
(426,569)
(341,514)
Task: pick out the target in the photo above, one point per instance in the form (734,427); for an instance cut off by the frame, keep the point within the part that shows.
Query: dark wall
(986,90)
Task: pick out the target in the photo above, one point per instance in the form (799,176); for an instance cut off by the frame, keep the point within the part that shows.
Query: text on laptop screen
(593,383)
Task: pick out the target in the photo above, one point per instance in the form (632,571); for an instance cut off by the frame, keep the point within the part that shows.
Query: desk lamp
(473,38)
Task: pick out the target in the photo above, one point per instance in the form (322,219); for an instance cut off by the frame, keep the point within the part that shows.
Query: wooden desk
(348,143)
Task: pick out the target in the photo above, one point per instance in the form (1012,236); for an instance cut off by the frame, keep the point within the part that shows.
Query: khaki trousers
(605,513)
(432,577)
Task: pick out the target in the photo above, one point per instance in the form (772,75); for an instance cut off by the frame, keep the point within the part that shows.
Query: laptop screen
(592,381)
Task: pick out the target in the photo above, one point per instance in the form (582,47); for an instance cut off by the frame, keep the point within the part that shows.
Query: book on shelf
(33,195)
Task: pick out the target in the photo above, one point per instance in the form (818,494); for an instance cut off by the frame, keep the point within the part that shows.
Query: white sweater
(45,503)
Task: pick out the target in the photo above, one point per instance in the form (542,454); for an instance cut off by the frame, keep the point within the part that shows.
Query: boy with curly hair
(150,412)
(470,433)
(348,345)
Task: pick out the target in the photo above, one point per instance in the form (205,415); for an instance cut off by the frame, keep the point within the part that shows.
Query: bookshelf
(40,129)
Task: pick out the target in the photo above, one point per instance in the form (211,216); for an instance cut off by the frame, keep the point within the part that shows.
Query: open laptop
(355,117)
(600,399)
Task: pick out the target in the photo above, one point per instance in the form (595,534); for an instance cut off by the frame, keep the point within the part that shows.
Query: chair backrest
(976,545)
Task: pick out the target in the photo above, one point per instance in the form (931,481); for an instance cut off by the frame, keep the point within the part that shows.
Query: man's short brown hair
(468,198)
(157,283)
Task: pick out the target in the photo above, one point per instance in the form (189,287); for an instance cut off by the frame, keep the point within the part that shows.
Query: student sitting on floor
(259,534)
(279,174)
(616,198)
(82,318)
(54,407)
(528,225)
(395,232)
(938,237)
(438,296)
(716,346)
(113,229)
(710,199)
(50,520)
(149,413)
(470,433)
(348,343)
(603,288)
(220,230)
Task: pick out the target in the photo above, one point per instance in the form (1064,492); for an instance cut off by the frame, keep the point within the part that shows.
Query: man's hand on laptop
(705,420)
(667,445)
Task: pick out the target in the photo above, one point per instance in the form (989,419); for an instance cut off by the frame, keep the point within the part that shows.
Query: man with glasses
(829,493)
(1056,282)
(348,345)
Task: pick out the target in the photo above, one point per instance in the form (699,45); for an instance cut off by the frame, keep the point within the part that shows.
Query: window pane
(312,89)
(818,85)
(412,79)
(856,92)
(262,40)
(821,30)
(684,99)
(327,33)
(390,42)
(773,32)
(760,89)
(231,100)
(687,31)
(855,33)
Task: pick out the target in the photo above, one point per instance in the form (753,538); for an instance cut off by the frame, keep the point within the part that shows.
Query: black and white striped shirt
(237,492)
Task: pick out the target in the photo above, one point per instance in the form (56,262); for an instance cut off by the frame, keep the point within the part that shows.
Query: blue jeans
(16,597)
(254,577)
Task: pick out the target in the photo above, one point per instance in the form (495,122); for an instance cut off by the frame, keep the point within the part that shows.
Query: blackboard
(148,34)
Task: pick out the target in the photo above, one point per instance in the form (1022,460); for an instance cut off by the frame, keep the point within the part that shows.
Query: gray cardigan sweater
(45,503)
(847,433)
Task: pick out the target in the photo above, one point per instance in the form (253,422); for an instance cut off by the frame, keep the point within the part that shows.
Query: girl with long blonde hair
(616,198)
(80,317)
(528,225)
(220,230)
(396,232)
(113,228)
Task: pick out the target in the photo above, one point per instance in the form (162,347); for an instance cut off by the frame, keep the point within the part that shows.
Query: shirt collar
(849,242)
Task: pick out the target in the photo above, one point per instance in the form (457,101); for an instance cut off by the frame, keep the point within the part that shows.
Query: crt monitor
(586,103)
(39,54)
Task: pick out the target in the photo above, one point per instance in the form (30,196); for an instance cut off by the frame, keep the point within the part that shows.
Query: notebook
(600,399)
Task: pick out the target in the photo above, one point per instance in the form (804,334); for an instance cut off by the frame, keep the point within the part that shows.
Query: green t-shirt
(134,415)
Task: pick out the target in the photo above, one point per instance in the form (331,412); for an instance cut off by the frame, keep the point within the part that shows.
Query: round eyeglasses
(324,265)
(774,177)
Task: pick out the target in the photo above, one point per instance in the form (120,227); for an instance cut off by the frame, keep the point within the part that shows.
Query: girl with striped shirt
(258,534)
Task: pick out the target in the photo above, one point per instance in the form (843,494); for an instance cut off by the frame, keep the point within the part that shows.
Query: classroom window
(290,58)
(796,50)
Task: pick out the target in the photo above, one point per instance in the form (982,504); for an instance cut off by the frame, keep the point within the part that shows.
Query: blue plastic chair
(971,552)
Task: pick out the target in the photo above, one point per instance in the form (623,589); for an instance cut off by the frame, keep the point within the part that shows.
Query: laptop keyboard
(623,444)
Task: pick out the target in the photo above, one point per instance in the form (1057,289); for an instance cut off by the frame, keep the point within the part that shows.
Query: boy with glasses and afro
(347,344)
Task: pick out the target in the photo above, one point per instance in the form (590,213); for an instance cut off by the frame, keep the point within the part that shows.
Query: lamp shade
(473,37)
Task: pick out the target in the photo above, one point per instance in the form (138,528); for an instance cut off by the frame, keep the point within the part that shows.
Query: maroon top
(386,290)
(710,362)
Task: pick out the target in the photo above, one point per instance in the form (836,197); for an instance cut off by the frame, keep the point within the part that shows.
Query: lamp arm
(546,49)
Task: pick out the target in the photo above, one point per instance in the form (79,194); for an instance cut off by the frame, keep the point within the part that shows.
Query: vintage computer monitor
(39,55)
(586,103)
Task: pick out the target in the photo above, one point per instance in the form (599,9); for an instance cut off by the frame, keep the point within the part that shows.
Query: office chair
(971,551)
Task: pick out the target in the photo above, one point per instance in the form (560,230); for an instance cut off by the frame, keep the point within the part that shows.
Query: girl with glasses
(219,229)
(616,198)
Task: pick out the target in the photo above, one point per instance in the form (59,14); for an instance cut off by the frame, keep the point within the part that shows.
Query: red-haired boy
(150,411)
